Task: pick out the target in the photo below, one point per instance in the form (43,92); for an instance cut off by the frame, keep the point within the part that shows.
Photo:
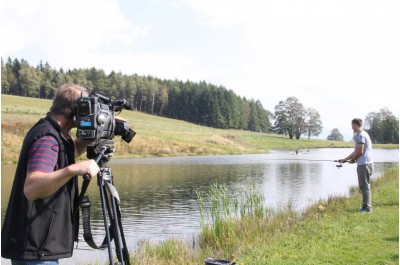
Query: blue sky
(340,57)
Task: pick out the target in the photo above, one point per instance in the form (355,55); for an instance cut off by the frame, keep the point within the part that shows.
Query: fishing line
(339,165)
(301,159)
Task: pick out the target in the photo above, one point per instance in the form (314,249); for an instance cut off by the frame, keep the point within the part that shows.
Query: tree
(12,78)
(29,80)
(245,114)
(131,89)
(290,117)
(16,67)
(313,123)
(335,135)
(161,101)
(47,86)
(382,126)
(254,121)
(263,117)
(293,119)
(5,85)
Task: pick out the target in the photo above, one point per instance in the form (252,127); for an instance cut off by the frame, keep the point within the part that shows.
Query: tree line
(197,102)
(382,127)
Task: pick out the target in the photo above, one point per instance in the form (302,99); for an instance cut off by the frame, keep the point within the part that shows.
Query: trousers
(364,173)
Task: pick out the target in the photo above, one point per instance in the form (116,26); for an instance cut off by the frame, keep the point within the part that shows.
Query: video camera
(96,122)
(97,125)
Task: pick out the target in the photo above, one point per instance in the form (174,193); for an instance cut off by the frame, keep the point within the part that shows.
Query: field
(156,136)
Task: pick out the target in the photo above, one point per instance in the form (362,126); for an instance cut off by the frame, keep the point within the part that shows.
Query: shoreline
(124,156)
(328,231)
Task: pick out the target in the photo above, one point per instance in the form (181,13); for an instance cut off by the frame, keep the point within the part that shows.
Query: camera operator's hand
(89,167)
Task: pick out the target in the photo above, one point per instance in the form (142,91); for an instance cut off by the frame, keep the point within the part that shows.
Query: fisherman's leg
(364,173)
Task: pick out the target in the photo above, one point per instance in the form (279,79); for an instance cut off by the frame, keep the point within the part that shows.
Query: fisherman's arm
(348,158)
(359,152)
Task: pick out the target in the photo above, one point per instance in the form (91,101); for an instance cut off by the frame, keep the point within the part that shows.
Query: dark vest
(42,229)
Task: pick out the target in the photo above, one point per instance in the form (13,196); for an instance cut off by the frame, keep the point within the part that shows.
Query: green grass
(334,233)
(330,232)
(156,136)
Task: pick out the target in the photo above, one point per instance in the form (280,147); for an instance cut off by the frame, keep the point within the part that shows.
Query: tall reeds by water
(222,212)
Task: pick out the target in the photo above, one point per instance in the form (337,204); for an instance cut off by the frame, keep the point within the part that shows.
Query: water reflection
(158,195)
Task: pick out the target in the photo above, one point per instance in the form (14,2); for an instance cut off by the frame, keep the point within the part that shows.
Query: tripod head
(94,150)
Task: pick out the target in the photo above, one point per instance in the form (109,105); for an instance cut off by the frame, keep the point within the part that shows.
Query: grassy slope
(156,136)
(331,232)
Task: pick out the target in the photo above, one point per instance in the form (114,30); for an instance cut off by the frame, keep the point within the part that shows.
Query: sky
(340,57)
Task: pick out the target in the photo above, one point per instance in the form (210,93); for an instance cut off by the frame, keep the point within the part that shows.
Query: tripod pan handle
(86,177)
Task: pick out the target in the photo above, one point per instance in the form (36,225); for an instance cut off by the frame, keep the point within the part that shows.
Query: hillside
(156,136)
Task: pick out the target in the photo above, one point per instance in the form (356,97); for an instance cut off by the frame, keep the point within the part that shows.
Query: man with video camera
(39,226)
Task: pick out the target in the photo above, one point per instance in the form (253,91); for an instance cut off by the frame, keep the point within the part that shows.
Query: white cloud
(341,57)
(167,66)
(59,27)
(74,33)
(223,14)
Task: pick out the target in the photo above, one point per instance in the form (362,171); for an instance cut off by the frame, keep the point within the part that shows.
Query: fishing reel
(340,164)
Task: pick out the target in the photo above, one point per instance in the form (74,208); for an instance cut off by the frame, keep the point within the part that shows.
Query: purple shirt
(43,155)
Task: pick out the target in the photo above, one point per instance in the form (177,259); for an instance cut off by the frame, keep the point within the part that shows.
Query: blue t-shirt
(363,138)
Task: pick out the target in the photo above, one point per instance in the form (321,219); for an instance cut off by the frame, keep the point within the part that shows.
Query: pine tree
(5,85)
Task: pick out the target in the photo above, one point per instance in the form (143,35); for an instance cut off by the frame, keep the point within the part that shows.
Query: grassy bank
(330,232)
(156,136)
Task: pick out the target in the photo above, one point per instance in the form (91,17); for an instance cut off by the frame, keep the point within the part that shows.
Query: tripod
(110,206)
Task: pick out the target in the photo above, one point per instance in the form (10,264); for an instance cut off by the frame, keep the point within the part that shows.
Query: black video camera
(96,123)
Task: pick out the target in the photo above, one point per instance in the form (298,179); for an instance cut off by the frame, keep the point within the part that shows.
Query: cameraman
(39,226)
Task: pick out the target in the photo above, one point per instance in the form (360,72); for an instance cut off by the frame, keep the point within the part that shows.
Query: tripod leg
(117,231)
(115,228)
(118,224)
(125,248)
(103,206)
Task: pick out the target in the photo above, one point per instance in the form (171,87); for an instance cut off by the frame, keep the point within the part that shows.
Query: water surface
(158,195)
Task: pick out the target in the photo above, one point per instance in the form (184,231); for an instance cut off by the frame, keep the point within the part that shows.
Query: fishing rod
(311,160)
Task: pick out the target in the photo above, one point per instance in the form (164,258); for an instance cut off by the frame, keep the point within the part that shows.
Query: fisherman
(362,156)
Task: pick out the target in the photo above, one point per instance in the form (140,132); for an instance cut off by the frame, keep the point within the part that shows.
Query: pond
(158,195)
